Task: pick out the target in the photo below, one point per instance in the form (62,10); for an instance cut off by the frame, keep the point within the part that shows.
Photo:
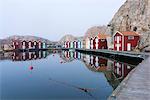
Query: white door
(118,46)
(129,47)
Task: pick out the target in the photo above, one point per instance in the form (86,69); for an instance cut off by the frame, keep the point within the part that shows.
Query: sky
(52,19)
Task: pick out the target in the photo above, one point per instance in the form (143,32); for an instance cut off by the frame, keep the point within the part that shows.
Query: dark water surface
(57,75)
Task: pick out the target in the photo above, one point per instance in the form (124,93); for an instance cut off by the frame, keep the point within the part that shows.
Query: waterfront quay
(125,56)
(136,86)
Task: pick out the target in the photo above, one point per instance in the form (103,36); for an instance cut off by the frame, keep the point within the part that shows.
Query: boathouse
(16,44)
(39,44)
(75,43)
(97,42)
(30,44)
(24,45)
(91,43)
(71,45)
(67,44)
(87,43)
(125,41)
(100,41)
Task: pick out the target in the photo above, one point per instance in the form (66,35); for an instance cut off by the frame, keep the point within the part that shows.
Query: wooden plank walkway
(136,86)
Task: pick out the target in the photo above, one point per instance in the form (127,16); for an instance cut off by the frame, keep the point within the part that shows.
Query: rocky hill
(93,31)
(69,38)
(17,37)
(133,15)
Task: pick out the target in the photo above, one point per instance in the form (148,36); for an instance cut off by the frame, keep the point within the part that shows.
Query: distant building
(28,45)
(100,41)
(73,44)
(97,42)
(125,41)
(87,43)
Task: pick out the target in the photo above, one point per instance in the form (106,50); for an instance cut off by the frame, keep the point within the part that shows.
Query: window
(115,38)
(130,37)
(102,40)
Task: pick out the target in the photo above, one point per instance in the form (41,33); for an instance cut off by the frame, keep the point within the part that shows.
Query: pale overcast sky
(52,19)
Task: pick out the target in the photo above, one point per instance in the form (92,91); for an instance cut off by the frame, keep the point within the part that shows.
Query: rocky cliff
(133,15)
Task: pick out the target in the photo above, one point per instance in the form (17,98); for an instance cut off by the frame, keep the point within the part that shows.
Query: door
(118,47)
(128,46)
(96,43)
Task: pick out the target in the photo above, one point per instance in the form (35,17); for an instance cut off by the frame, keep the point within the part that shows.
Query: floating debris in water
(86,90)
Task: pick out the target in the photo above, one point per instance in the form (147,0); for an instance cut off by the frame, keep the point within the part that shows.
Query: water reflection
(17,56)
(114,71)
(93,75)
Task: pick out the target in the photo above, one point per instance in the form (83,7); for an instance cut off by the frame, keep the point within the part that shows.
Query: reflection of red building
(101,64)
(75,55)
(125,41)
(19,56)
(121,69)
(98,63)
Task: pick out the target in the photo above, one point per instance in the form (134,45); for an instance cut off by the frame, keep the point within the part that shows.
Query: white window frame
(130,37)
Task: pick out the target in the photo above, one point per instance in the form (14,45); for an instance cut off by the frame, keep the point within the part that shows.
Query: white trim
(117,32)
(123,43)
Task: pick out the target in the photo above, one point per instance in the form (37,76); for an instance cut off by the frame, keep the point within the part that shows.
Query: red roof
(102,36)
(130,33)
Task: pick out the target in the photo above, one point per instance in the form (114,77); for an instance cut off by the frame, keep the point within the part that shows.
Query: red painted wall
(134,42)
(102,44)
(94,43)
(17,44)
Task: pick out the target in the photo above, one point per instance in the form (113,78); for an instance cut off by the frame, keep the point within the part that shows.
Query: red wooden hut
(16,44)
(125,41)
(100,41)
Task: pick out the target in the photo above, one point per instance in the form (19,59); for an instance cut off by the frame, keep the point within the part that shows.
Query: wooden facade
(125,41)
(97,42)
(27,45)
(73,44)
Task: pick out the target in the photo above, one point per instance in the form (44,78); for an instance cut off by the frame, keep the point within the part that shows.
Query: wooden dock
(124,56)
(136,86)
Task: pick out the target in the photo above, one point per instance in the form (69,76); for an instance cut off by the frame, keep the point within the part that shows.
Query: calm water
(57,75)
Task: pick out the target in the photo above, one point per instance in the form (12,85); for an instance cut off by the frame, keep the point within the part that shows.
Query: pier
(136,86)
(125,56)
